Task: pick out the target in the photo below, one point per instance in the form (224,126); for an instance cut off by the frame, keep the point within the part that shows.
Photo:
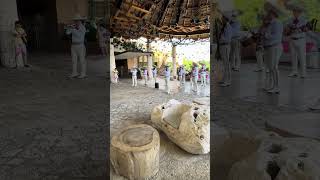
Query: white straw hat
(295,5)
(274,6)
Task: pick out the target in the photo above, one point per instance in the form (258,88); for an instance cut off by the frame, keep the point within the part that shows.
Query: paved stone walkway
(53,128)
(131,105)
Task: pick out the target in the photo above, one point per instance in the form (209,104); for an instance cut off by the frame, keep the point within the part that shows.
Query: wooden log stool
(135,152)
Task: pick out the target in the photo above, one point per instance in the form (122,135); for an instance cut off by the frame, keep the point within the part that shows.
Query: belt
(223,44)
(294,38)
(74,43)
(269,46)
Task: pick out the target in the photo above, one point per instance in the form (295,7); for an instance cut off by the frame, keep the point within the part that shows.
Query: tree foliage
(252,9)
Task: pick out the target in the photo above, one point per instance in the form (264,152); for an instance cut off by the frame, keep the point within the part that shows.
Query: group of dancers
(268,39)
(194,75)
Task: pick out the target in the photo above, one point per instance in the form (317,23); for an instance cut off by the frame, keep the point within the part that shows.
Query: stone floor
(53,128)
(133,105)
(244,106)
(295,92)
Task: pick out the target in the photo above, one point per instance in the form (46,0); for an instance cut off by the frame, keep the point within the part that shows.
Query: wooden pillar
(112,59)
(8,16)
(174,61)
(149,60)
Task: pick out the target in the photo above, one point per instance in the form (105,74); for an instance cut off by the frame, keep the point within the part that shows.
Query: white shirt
(226,35)
(301,22)
(167,73)
(78,35)
(236,28)
(134,72)
(273,34)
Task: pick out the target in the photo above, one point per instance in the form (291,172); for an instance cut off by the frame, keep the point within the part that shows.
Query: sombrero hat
(77,17)
(295,5)
(275,7)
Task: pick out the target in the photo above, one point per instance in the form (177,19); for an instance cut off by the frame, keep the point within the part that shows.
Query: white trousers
(259,56)
(134,81)
(298,53)
(167,84)
(235,54)
(272,56)
(78,52)
(21,55)
(145,79)
(182,79)
(195,82)
(203,79)
(225,52)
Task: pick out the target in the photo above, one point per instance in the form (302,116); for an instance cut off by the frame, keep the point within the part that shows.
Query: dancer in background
(20,45)
(167,78)
(134,72)
(78,49)
(116,75)
(235,50)
(296,28)
(182,75)
(272,41)
(145,75)
(195,77)
(154,73)
(225,37)
(102,38)
(203,73)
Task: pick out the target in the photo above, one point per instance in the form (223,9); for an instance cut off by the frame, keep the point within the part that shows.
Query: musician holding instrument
(295,29)
(224,40)
(235,42)
(272,44)
(78,49)
(20,45)
(258,36)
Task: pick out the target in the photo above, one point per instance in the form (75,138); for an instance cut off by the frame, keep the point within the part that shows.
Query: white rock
(202,101)
(187,125)
(135,152)
(280,158)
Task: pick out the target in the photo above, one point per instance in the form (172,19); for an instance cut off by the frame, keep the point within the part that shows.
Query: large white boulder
(187,125)
(202,101)
(280,158)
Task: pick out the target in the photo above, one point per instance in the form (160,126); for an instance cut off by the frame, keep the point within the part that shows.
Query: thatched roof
(161,18)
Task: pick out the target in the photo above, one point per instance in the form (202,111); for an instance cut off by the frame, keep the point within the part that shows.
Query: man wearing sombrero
(225,38)
(78,49)
(167,75)
(272,43)
(235,42)
(296,28)
(195,77)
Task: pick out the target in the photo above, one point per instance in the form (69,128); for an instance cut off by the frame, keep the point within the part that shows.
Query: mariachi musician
(223,52)
(295,29)
(258,39)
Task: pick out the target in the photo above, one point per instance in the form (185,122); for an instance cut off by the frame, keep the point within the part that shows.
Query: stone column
(135,62)
(8,16)
(149,60)
(112,59)
(174,61)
